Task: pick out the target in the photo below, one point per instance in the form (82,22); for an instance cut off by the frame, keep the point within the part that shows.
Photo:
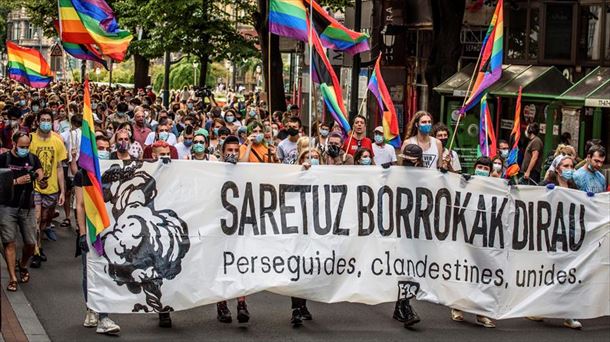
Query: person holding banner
(384,153)
(450,160)
(334,155)
(199,150)
(363,156)
(418,133)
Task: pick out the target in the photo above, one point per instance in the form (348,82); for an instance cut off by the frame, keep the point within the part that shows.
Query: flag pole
(268,60)
(310,70)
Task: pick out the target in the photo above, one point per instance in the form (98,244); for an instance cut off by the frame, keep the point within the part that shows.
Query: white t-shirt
(71,140)
(455,160)
(287,151)
(183,150)
(431,154)
(384,154)
(150,139)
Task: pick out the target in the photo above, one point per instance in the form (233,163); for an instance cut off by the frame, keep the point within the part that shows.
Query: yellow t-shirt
(51,151)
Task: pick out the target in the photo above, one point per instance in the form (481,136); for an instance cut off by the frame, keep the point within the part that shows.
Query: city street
(55,295)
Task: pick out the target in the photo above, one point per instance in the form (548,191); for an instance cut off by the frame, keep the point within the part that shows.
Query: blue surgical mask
(22,152)
(259,138)
(365,161)
(35,109)
(252,113)
(482,173)
(504,153)
(216,131)
(324,132)
(163,136)
(425,128)
(22,103)
(567,174)
(189,105)
(198,148)
(229,119)
(378,139)
(314,161)
(188,142)
(103,155)
(46,126)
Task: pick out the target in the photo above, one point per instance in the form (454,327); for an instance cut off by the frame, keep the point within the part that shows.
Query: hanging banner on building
(187,233)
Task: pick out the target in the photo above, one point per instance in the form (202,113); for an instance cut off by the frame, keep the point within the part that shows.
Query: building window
(517,32)
(590,32)
(9,31)
(534,30)
(523,34)
(559,20)
(607,31)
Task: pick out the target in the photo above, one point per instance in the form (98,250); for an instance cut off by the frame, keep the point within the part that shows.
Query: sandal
(24,274)
(12,286)
(66,223)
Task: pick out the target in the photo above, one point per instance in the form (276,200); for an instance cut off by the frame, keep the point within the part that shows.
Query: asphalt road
(56,296)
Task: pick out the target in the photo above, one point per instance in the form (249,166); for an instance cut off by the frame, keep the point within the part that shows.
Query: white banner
(192,233)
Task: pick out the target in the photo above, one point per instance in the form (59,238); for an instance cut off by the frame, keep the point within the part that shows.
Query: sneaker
(457,315)
(224,314)
(297,318)
(36,261)
(90,319)
(50,233)
(485,321)
(243,316)
(107,326)
(305,314)
(43,256)
(165,320)
(572,323)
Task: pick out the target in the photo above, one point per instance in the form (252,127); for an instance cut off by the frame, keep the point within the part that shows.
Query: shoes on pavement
(224,314)
(457,315)
(90,319)
(36,261)
(305,314)
(165,320)
(297,318)
(43,257)
(485,321)
(572,323)
(243,316)
(50,233)
(107,326)
(535,318)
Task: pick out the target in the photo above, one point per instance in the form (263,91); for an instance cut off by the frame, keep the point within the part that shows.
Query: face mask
(229,119)
(163,136)
(497,167)
(425,129)
(122,147)
(365,161)
(444,142)
(42,103)
(54,113)
(35,109)
(103,155)
(378,139)
(220,142)
(45,126)
(408,162)
(292,131)
(324,132)
(93,105)
(216,131)
(504,153)
(259,138)
(314,161)
(22,103)
(567,174)
(333,151)
(189,105)
(252,113)
(198,148)
(120,113)
(22,152)
(275,131)
(188,142)
(231,158)
(482,173)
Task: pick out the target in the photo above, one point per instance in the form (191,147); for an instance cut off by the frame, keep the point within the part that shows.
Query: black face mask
(333,150)
(292,131)
(231,158)
(408,162)
(444,142)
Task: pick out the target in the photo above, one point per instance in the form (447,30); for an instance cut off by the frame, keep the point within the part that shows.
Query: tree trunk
(274,80)
(447,49)
(141,66)
(203,71)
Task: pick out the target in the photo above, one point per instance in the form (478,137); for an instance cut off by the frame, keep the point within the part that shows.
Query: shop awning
(545,82)
(591,91)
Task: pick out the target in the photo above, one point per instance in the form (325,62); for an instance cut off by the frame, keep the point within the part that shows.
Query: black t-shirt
(81,179)
(22,194)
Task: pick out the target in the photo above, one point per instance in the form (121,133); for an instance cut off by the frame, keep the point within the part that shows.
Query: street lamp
(389,38)
(195,65)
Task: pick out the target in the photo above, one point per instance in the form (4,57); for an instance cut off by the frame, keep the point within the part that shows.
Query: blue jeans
(84,259)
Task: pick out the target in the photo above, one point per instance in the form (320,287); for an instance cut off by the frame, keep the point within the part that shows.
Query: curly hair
(412,127)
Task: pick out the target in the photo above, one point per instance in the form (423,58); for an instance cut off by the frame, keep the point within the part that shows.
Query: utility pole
(353,103)
(167,62)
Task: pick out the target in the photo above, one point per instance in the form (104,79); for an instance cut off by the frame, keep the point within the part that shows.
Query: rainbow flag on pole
(93,22)
(82,51)
(377,86)
(288,18)
(324,75)
(490,64)
(27,66)
(487,136)
(512,161)
(95,209)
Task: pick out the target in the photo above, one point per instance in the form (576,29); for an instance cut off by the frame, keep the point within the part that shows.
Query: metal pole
(110,74)
(353,107)
(83,70)
(167,62)
(311,86)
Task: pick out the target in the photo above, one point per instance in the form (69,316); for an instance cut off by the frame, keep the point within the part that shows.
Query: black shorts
(68,179)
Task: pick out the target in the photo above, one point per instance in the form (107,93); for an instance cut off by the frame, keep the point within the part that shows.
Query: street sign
(605,103)
(56,51)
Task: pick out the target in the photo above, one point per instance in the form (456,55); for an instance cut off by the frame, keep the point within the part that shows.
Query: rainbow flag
(288,18)
(490,64)
(512,161)
(95,208)
(487,137)
(27,66)
(377,86)
(82,51)
(324,75)
(93,22)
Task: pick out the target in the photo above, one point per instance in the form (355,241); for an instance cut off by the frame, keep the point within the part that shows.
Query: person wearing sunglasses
(199,150)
